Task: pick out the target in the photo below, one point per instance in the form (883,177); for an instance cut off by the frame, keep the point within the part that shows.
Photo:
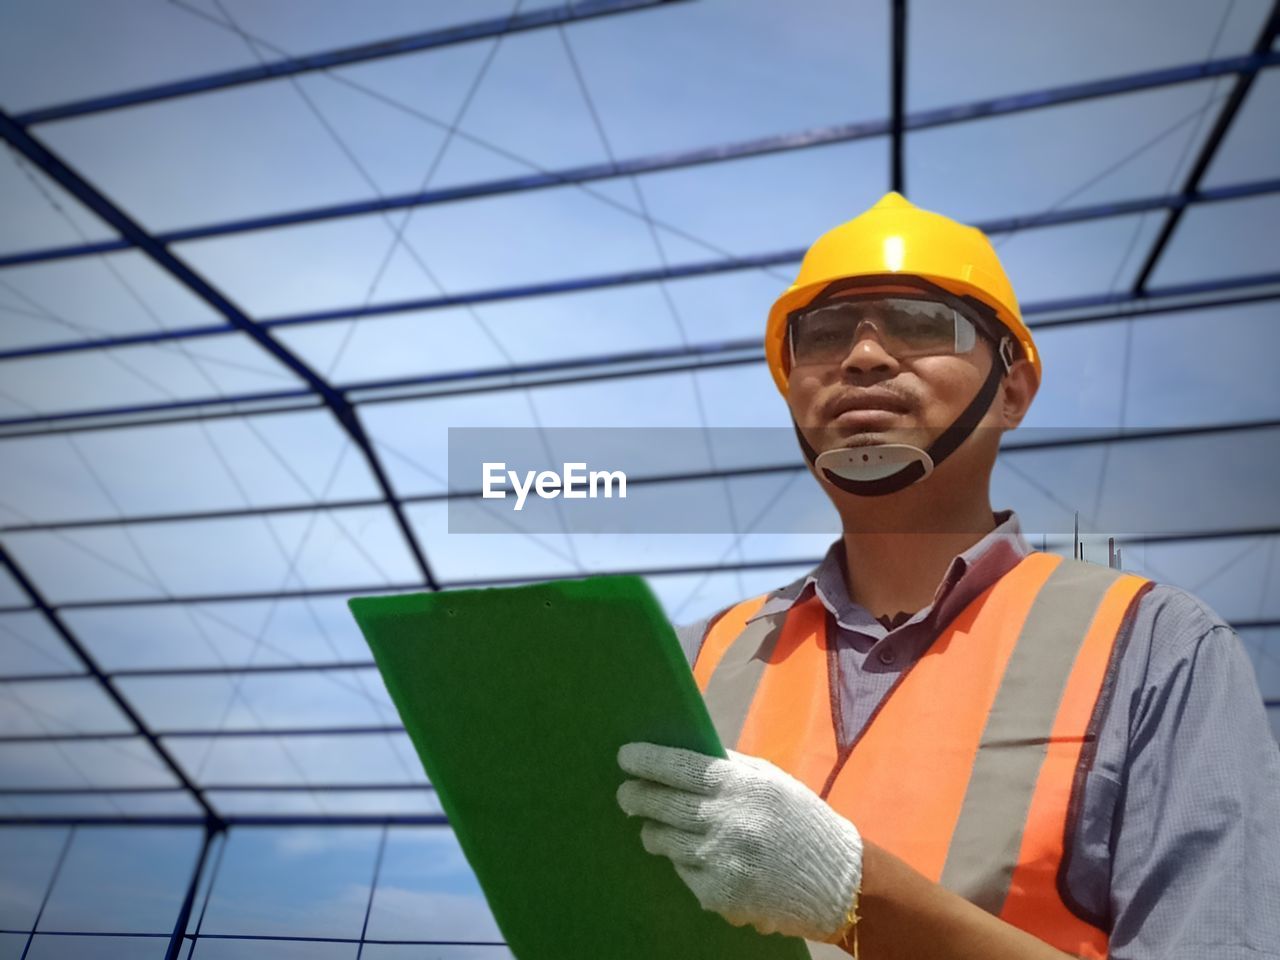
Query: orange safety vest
(969,767)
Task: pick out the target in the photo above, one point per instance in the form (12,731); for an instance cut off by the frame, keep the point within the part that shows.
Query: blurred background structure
(257,256)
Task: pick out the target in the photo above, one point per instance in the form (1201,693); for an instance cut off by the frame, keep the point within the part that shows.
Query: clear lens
(906,327)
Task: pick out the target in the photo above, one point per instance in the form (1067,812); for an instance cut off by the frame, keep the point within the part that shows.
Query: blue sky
(688,76)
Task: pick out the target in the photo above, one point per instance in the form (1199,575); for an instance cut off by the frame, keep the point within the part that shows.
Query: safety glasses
(907,326)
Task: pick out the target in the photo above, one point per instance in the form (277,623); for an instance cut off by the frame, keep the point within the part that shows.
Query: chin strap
(926,460)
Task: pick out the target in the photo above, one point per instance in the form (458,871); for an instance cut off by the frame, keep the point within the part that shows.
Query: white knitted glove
(753,843)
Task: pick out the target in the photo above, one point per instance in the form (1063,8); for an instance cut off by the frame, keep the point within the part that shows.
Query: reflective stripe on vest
(966,768)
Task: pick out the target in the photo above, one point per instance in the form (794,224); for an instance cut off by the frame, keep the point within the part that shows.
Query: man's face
(871,396)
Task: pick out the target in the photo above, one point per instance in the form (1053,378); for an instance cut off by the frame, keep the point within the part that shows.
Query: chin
(837,437)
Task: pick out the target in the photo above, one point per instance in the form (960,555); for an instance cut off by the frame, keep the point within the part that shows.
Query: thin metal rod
(38,154)
(1257,624)
(671,360)
(730,353)
(55,621)
(318,667)
(681,570)
(177,938)
(228,734)
(268,938)
(898,95)
(816,137)
(370,664)
(373,889)
(317,820)
(222,787)
(48,890)
(549,16)
(194,515)
(1096,435)
(151,417)
(1266,38)
(775,258)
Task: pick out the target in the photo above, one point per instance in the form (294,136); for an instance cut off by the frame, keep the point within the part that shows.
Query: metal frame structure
(338,400)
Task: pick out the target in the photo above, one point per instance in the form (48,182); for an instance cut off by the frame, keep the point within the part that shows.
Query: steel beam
(228,734)
(1107,307)
(108,687)
(1095,436)
(370,664)
(177,938)
(1266,39)
(1245,66)
(775,258)
(550,16)
(224,408)
(38,154)
(898,95)
(679,570)
(235,513)
(316,820)
(669,360)
(221,788)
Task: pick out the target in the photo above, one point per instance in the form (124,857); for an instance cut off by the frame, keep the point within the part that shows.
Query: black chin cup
(938,451)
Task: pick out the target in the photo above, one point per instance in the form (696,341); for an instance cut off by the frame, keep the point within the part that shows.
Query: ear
(1019,388)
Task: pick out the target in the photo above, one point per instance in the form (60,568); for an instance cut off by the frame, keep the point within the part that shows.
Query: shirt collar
(968,574)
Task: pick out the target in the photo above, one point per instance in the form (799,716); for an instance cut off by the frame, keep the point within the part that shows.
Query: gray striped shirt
(1177,847)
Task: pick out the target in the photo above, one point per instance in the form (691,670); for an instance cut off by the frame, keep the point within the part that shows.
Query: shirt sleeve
(1196,838)
(691,637)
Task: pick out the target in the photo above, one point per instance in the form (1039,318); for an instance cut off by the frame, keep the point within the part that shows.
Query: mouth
(865,417)
(868,407)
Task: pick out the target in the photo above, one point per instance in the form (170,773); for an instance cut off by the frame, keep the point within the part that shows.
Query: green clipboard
(517,700)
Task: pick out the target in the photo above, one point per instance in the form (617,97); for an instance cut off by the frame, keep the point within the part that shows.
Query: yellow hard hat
(897,237)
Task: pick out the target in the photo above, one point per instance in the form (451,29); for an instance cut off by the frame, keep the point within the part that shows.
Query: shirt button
(887,656)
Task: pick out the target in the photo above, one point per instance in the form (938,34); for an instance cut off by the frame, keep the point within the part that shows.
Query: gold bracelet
(850,928)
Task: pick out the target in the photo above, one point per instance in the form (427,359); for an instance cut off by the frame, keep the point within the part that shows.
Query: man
(947,744)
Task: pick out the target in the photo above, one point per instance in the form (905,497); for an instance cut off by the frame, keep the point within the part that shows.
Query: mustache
(873,398)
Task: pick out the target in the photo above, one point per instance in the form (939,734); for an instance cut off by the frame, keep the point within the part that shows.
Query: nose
(868,354)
